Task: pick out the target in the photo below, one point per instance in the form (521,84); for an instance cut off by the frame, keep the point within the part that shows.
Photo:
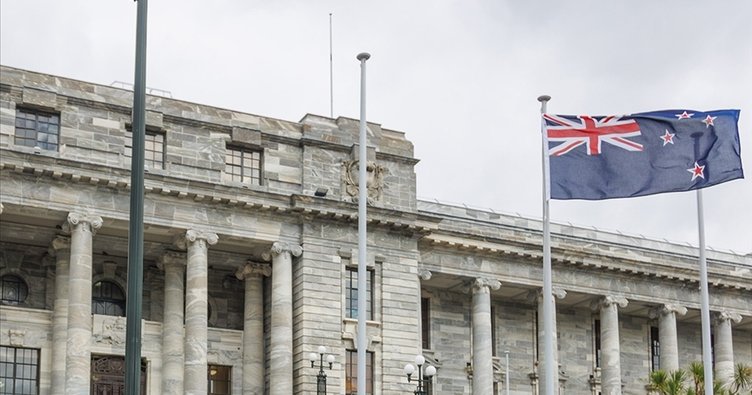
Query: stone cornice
(591,259)
(329,209)
(203,191)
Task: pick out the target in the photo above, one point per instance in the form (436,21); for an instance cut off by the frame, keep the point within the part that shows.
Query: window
(107,299)
(493,331)
(655,348)
(153,149)
(220,382)
(13,289)
(425,322)
(37,129)
(597,341)
(243,165)
(351,304)
(19,370)
(351,372)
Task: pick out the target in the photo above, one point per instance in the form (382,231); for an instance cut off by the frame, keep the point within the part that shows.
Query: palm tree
(742,379)
(674,383)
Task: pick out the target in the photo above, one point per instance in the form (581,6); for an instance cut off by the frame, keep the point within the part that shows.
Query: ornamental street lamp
(424,377)
(321,377)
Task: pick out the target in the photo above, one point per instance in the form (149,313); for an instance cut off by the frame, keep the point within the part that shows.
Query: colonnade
(184,335)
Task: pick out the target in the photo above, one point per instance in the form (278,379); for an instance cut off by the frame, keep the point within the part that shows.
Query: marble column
(558,293)
(667,336)
(82,228)
(610,352)
(280,375)
(253,326)
(197,311)
(482,341)
(60,249)
(173,263)
(724,346)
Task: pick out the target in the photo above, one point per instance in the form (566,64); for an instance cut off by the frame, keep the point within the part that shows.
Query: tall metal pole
(136,224)
(331,71)
(705,312)
(362,240)
(548,326)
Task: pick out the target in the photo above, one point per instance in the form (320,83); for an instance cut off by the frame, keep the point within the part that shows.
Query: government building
(250,264)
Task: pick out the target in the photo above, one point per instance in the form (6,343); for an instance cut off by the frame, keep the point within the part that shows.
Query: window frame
(425,322)
(22,289)
(227,382)
(107,302)
(351,371)
(253,179)
(351,293)
(655,348)
(150,161)
(37,143)
(597,342)
(15,362)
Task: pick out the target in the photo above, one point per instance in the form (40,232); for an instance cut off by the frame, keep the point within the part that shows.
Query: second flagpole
(549,370)
(362,239)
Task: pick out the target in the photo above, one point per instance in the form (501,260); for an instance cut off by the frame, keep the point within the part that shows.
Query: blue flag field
(605,157)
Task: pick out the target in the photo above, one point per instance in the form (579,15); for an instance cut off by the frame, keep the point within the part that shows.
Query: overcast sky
(460,78)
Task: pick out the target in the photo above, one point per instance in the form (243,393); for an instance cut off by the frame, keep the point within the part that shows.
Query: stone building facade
(250,232)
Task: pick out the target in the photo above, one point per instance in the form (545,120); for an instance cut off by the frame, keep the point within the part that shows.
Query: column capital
(203,238)
(665,309)
(724,315)
(280,247)
(89,222)
(609,300)
(253,269)
(59,243)
(485,285)
(172,258)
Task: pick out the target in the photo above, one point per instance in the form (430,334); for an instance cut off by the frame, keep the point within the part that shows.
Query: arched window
(107,298)
(13,289)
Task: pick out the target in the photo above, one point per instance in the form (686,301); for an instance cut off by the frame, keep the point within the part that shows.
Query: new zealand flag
(604,157)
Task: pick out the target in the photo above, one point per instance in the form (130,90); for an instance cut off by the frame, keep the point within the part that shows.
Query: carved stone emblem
(374,181)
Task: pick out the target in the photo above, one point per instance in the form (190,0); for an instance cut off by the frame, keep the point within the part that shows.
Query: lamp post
(423,377)
(321,377)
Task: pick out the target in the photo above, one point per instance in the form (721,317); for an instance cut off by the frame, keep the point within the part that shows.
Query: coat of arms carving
(374,181)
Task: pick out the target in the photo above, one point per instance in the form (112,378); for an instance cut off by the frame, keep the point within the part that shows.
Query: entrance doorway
(108,375)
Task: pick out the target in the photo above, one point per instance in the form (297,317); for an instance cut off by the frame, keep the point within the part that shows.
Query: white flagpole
(705,312)
(331,71)
(548,348)
(362,198)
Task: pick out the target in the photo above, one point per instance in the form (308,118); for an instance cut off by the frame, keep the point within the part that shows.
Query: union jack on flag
(604,157)
(592,132)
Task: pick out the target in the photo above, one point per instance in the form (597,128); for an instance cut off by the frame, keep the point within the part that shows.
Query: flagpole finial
(364,56)
(544,98)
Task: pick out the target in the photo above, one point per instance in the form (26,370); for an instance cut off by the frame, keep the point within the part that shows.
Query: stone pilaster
(60,249)
(482,341)
(173,263)
(724,346)
(558,293)
(197,311)
(280,375)
(253,326)
(82,228)
(667,336)
(610,358)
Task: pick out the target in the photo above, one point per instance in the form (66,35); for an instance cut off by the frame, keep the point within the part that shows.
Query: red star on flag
(667,138)
(708,121)
(697,171)
(684,115)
